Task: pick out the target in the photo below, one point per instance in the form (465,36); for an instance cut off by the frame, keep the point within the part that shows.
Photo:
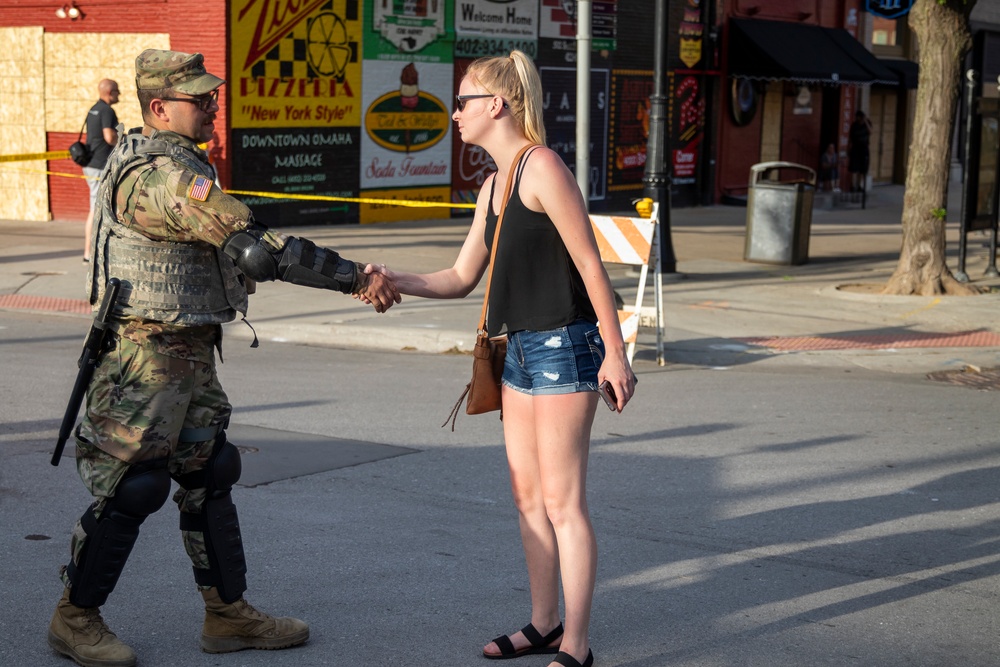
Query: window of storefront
(890,37)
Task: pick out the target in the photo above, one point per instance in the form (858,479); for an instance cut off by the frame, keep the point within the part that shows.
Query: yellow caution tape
(59,155)
(361,200)
(25,157)
(44,171)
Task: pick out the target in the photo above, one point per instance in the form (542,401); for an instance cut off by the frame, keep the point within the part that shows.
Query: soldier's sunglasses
(204,102)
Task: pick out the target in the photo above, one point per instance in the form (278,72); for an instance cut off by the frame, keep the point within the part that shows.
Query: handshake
(374,287)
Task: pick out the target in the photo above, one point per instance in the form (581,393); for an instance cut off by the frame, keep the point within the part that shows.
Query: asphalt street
(754,514)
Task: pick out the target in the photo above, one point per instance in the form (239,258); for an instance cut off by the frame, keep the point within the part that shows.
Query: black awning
(907,71)
(778,50)
(863,57)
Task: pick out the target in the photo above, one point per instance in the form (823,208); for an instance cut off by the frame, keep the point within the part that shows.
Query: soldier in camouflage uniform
(185,253)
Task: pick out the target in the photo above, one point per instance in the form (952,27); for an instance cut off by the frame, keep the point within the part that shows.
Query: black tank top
(535,285)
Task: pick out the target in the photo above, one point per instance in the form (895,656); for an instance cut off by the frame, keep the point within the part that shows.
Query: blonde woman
(549,291)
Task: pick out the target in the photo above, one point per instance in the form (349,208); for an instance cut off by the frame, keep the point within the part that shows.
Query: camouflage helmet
(182,72)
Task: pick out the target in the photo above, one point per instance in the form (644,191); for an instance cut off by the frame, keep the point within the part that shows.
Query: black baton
(92,349)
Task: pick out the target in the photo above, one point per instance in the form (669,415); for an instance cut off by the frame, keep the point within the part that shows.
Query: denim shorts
(557,361)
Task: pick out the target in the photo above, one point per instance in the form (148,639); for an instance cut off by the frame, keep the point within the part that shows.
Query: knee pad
(221,471)
(219,524)
(111,536)
(142,493)
(224,468)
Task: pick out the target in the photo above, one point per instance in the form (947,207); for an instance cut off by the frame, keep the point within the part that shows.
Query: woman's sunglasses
(460,100)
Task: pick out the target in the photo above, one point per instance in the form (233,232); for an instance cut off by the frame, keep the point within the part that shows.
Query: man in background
(858,155)
(102,136)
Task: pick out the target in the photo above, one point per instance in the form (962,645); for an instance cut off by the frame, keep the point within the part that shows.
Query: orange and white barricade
(635,242)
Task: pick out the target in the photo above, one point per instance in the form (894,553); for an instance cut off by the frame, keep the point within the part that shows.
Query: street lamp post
(656,177)
(584,39)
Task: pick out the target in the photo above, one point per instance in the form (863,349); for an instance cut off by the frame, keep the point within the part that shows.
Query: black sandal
(567,660)
(537,644)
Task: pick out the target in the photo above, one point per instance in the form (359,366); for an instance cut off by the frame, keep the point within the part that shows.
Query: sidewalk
(719,309)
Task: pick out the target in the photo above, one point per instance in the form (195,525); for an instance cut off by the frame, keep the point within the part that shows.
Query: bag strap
(83,127)
(496,235)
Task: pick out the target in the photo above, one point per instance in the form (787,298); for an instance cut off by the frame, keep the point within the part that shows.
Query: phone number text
(475,48)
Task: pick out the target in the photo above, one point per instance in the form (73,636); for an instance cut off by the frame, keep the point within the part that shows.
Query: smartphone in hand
(608,394)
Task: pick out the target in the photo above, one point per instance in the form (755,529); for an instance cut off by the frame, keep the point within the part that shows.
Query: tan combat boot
(237,626)
(82,635)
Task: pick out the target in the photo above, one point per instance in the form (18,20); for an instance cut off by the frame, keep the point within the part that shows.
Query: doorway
(883,113)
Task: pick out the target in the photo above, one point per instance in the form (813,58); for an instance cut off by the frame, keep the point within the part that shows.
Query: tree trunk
(943,37)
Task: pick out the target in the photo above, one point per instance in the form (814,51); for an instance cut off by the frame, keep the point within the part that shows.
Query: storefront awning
(779,50)
(863,57)
(907,71)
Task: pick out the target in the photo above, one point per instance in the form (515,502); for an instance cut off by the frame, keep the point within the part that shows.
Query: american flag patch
(200,188)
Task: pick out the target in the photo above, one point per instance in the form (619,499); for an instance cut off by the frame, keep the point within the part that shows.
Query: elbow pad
(302,262)
(250,255)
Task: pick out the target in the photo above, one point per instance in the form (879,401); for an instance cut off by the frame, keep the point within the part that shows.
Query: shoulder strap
(524,163)
(496,233)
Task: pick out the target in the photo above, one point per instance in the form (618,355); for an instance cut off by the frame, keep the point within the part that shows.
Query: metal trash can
(779,213)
